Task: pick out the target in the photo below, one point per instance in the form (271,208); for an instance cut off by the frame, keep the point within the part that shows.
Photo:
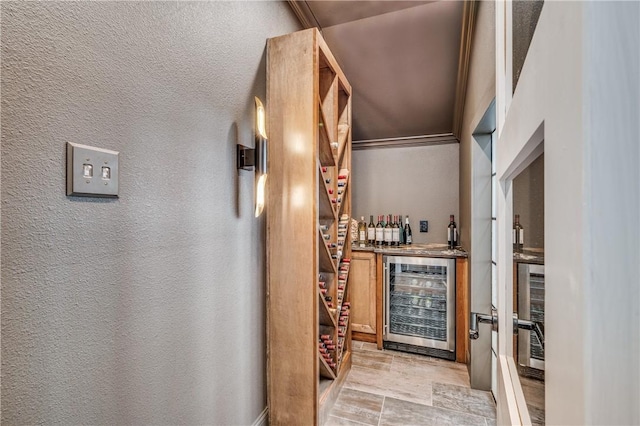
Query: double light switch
(91,172)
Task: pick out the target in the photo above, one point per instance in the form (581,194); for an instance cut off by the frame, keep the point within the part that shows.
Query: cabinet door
(362,280)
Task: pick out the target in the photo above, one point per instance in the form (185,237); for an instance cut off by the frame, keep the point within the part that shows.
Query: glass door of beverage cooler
(420,302)
(530,307)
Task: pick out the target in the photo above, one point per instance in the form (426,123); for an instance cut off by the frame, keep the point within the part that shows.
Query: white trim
(263,418)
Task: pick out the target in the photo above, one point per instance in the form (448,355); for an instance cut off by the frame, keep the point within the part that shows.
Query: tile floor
(534,395)
(395,388)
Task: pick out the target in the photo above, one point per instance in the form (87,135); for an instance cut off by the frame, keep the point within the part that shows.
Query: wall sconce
(256,158)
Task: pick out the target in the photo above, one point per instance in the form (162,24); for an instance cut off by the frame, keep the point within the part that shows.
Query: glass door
(420,302)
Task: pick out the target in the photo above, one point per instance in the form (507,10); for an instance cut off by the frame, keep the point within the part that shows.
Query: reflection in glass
(528,204)
(525,14)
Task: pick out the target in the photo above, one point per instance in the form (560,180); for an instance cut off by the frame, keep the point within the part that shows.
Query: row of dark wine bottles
(392,233)
(384,233)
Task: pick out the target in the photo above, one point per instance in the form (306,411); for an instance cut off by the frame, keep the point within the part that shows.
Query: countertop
(431,250)
(530,255)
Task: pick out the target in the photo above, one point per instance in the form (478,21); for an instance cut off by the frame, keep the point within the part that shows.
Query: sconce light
(256,158)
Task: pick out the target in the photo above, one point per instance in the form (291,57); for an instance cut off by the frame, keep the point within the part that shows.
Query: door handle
(534,326)
(477,318)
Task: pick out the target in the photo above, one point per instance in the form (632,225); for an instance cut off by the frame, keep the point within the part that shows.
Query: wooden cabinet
(366,281)
(308,211)
(364,296)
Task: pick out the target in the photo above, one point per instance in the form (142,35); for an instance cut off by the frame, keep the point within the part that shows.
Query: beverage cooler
(530,307)
(419,305)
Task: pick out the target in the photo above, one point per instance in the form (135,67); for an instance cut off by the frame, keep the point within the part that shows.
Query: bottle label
(379,234)
(388,236)
(362,233)
(395,235)
(408,239)
(521,237)
(371,233)
(449,234)
(513,236)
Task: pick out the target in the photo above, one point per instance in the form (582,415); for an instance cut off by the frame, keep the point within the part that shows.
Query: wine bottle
(362,232)
(517,235)
(401,229)
(407,231)
(395,232)
(388,232)
(371,232)
(379,232)
(452,233)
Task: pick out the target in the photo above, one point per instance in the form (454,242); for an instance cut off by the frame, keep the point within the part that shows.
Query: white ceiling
(401,58)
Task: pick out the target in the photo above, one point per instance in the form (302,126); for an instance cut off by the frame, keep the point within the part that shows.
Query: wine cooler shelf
(433,302)
(420,332)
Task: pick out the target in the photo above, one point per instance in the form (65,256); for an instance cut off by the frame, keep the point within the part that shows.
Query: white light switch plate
(91,172)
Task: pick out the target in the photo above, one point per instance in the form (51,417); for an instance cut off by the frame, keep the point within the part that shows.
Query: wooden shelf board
(343,134)
(330,60)
(325,152)
(325,370)
(324,314)
(343,195)
(325,207)
(324,388)
(325,263)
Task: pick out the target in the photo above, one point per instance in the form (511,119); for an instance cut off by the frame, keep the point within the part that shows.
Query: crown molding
(303,13)
(469,14)
(421,140)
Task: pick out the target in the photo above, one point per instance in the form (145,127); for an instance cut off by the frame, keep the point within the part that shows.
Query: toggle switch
(87,170)
(81,161)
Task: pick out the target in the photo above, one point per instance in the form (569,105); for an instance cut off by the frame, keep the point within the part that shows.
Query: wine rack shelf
(325,316)
(308,236)
(325,370)
(325,262)
(327,157)
(326,209)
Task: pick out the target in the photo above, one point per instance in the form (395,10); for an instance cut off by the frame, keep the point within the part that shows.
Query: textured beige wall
(421,182)
(149,308)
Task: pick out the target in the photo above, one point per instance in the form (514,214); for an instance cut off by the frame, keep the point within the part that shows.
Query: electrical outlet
(424,226)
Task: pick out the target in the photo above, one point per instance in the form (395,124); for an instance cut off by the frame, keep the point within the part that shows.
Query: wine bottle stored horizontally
(388,232)
(395,232)
(379,232)
(517,235)
(407,231)
(452,233)
(362,232)
(371,232)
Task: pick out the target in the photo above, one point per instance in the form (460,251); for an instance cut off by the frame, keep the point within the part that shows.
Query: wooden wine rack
(308,237)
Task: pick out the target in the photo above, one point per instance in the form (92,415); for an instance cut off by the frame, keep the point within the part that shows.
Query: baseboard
(263,418)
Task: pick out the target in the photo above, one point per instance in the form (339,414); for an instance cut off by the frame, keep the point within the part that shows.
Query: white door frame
(511,404)
(578,89)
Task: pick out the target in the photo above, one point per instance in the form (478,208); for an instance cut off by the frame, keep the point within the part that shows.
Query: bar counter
(431,250)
